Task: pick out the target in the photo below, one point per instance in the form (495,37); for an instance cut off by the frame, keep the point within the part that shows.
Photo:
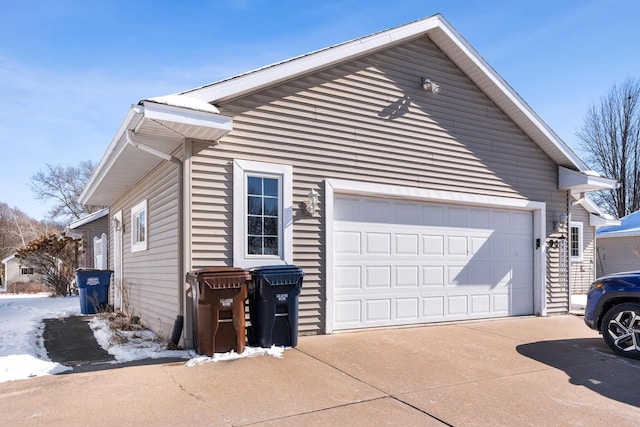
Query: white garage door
(403,262)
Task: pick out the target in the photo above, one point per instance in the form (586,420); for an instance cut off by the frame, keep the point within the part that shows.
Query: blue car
(613,309)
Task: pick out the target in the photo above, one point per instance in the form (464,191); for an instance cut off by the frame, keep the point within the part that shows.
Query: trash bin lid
(278,274)
(219,277)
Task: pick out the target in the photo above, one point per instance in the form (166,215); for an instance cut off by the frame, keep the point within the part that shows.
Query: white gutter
(130,137)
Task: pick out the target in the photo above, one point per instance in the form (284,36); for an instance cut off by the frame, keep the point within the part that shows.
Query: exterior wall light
(561,223)
(430,86)
(311,206)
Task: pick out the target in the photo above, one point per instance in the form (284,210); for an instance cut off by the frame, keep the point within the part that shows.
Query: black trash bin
(273,305)
(219,294)
(93,288)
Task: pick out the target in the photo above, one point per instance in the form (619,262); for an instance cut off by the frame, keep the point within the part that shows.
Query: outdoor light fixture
(311,206)
(430,86)
(561,223)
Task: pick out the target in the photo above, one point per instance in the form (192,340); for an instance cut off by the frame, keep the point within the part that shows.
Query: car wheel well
(612,303)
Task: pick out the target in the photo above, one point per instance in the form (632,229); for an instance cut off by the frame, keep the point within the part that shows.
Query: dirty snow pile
(126,346)
(23,354)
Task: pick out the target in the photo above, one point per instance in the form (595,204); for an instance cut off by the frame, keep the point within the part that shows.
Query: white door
(402,262)
(117,261)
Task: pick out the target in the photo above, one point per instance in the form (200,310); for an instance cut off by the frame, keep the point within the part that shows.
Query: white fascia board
(170,113)
(583,182)
(89,218)
(310,62)
(114,150)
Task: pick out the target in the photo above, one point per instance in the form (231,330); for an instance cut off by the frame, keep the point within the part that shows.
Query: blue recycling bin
(93,287)
(273,305)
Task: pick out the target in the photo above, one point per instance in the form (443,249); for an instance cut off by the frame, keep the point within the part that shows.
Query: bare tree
(610,136)
(64,185)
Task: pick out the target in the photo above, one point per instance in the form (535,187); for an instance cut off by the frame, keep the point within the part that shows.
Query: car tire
(621,329)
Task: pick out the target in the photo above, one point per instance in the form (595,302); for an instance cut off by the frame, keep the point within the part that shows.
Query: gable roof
(442,33)
(115,172)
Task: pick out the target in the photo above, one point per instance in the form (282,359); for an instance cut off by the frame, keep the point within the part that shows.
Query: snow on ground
(22,351)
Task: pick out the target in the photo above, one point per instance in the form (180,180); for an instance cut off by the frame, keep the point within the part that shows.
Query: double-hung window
(576,241)
(262,214)
(139,228)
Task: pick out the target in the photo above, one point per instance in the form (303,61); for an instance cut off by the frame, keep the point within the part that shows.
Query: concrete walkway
(521,371)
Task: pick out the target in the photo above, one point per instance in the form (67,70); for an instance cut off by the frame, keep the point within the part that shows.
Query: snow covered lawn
(22,351)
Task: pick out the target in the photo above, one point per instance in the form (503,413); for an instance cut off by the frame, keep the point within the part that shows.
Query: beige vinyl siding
(366,120)
(150,277)
(583,272)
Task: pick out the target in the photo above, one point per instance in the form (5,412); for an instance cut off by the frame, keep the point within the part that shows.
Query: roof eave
(154,121)
(580,182)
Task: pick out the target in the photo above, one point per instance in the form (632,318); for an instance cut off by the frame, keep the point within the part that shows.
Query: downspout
(178,325)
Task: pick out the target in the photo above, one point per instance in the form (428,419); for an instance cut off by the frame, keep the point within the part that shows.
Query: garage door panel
(456,305)
(456,217)
(480,304)
(407,276)
(433,276)
(480,218)
(378,243)
(457,246)
(433,215)
(407,244)
(378,277)
(433,245)
(407,213)
(348,277)
(347,242)
(457,275)
(348,313)
(378,310)
(415,262)
(407,308)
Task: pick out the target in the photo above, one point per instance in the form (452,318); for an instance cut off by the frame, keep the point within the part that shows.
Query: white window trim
(139,246)
(580,226)
(240,258)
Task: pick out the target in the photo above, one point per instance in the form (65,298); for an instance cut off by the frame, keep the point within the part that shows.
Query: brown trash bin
(219,293)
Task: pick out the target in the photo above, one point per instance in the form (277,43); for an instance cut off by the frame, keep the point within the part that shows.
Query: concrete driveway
(519,371)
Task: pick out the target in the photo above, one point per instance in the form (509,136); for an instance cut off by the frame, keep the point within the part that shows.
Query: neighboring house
(17,272)
(442,195)
(619,246)
(93,230)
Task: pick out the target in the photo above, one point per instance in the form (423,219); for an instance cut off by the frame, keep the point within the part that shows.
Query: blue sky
(69,70)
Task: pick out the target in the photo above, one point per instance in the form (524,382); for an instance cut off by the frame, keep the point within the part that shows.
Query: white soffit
(162,124)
